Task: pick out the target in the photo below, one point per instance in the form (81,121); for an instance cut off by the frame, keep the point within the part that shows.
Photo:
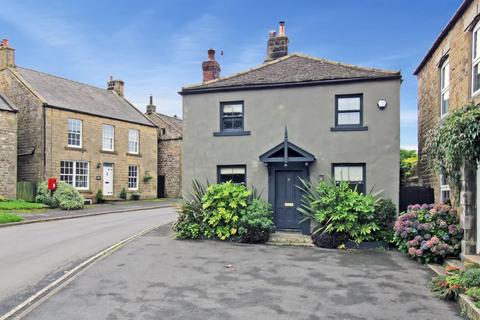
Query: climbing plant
(455,141)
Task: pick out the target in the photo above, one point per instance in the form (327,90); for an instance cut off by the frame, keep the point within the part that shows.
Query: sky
(157,47)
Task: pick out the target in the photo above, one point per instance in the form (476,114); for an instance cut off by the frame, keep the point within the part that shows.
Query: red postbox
(52,184)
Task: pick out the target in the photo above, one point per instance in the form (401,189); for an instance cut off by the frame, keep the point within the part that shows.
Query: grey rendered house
(292,117)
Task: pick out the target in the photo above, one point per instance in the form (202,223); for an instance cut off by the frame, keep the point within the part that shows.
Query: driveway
(34,255)
(156,277)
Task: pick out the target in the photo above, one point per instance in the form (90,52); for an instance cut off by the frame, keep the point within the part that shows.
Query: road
(33,255)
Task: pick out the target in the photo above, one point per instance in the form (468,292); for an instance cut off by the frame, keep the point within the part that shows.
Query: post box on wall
(52,184)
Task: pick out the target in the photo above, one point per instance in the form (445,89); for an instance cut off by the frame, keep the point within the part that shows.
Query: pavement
(34,255)
(156,277)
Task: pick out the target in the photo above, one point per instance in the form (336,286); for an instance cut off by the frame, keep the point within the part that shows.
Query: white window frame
(133,177)
(444,85)
(475,59)
(81,133)
(135,143)
(74,175)
(444,188)
(108,139)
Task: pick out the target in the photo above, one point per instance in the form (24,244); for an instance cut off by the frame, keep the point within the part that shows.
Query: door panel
(287,199)
(108,179)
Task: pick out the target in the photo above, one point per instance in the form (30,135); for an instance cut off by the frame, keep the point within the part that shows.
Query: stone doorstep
(290,239)
(466,305)
(471,259)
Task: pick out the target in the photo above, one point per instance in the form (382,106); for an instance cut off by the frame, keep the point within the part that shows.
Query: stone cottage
(449,78)
(170,136)
(294,116)
(89,137)
(8,148)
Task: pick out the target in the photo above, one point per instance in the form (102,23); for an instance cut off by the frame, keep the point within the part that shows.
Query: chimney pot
(211,68)
(116,85)
(281,29)
(7,55)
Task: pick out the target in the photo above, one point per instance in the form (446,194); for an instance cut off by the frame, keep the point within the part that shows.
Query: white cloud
(409,147)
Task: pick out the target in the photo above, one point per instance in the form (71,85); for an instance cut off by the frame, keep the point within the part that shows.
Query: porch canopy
(286,152)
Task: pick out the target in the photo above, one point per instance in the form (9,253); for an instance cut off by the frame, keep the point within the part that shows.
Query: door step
(290,239)
(471,259)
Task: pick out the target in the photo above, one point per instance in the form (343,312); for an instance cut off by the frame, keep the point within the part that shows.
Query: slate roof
(6,105)
(174,122)
(79,97)
(293,69)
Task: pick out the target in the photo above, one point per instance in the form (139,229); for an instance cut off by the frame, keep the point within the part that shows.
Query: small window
(162,131)
(445,87)
(236,174)
(231,114)
(75,173)
(354,174)
(476,59)
(444,189)
(108,137)
(133,141)
(133,177)
(349,110)
(74,137)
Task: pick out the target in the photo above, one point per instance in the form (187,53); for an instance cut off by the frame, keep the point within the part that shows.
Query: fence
(26,191)
(415,194)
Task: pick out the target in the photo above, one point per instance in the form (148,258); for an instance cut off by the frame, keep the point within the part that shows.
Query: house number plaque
(288,204)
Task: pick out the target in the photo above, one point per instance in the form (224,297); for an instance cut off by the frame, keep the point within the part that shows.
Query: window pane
(352,118)
(352,103)
(234,174)
(66,171)
(81,174)
(133,137)
(108,137)
(445,75)
(232,110)
(348,173)
(476,78)
(445,102)
(74,135)
(475,44)
(132,177)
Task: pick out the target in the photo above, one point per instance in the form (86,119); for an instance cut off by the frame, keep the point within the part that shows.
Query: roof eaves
(27,85)
(9,104)
(463,7)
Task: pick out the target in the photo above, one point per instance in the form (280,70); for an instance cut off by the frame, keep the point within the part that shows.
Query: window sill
(231,133)
(336,129)
(84,190)
(75,148)
(139,155)
(109,152)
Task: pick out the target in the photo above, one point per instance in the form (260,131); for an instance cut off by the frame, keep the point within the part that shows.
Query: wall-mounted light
(99,165)
(382,104)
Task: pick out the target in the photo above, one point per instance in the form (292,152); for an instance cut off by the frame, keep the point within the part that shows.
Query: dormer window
(445,87)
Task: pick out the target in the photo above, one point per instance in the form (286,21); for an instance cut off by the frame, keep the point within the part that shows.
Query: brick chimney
(7,55)
(151,108)
(277,45)
(116,85)
(211,68)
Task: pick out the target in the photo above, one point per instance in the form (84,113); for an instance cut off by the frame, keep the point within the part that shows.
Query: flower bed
(429,233)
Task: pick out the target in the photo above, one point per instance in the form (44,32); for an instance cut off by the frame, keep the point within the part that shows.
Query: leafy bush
(256,222)
(65,196)
(136,195)
(123,194)
(222,204)
(474,294)
(428,233)
(471,277)
(339,209)
(189,224)
(385,215)
(99,196)
(329,240)
(446,287)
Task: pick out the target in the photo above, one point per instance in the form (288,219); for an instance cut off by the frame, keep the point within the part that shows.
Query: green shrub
(329,240)
(473,293)
(99,196)
(256,222)
(123,194)
(385,215)
(189,224)
(222,204)
(136,195)
(339,209)
(65,196)
(471,277)
(446,287)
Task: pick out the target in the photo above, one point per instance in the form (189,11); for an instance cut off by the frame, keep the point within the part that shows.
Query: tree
(408,164)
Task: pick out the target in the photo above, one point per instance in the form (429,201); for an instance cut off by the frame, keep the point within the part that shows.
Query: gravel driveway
(156,277)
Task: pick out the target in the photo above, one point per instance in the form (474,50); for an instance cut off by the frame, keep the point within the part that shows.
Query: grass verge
(19,205)
(9,217)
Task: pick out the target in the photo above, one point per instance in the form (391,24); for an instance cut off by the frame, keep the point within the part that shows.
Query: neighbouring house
(292,117)
(8,148)
(170,136)
(86,136)
(449,78)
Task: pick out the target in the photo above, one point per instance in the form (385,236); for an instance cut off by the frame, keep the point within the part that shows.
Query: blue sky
(156,47)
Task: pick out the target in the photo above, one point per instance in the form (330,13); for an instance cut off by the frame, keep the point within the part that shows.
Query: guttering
(287,84)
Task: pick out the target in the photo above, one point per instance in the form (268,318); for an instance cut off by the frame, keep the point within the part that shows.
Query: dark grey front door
(287,199)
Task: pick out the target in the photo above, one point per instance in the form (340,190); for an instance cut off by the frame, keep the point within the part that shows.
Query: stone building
(8,149)
(449,78)
(89,137)
(170,136)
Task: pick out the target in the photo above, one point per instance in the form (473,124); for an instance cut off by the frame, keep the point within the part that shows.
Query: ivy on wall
(455,141)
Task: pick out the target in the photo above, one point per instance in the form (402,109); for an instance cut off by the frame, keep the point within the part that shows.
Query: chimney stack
(151,108)
(211,68)
(116,85)
(277,46)
(7,55)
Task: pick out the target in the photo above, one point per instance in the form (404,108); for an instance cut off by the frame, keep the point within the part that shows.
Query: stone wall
(91,151)
(30,127)
(8,154)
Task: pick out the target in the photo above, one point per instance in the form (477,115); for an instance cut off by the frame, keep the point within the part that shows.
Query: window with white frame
(75,173)
(74,137)
(133,177)
(108,137)
(476,59)
(354,174)
(133,141)
(445,87)
(444,189)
